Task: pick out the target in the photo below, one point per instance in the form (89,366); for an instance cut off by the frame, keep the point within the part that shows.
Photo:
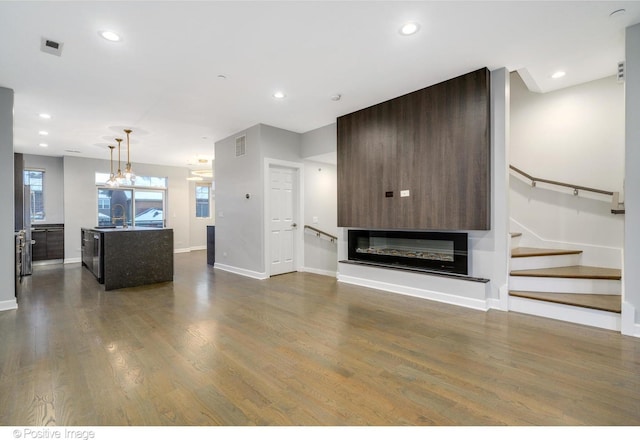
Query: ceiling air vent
(241,145)
(50,46)
(620,73)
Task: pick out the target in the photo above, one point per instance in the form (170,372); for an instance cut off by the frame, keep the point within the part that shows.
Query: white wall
(80,197)
(53,185)
(321,212)
(631,274)
(7,219)
(573,135)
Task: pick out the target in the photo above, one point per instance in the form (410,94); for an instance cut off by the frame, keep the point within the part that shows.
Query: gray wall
(53,185)
(239,221)
(320,141)
(80,195)
(7,220)
(631,275)
(240,238)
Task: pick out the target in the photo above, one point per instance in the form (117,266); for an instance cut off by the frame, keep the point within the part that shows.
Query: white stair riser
(565,285)
(523,263)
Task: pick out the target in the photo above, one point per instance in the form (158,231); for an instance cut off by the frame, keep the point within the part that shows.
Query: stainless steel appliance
(26,266)
(91,251)
(19,246)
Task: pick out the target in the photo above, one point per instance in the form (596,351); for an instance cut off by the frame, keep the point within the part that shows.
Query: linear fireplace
(427,251)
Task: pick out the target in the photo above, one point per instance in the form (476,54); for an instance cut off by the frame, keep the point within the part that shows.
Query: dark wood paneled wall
(434,143)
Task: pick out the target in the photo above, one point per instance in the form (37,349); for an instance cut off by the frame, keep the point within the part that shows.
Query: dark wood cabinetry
(420,161)
(48,242)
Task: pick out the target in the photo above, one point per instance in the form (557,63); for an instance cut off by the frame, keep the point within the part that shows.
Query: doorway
(283,218)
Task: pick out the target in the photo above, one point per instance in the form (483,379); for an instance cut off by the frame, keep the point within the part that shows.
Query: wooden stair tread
(608,303)
(585,272)
(520,252)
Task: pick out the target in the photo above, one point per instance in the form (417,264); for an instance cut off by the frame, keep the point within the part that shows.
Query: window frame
(26,179)
(209,190)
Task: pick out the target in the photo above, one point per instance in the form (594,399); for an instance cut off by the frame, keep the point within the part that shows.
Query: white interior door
(282,212)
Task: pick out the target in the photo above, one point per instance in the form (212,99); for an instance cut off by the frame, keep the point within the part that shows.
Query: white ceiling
(162,79)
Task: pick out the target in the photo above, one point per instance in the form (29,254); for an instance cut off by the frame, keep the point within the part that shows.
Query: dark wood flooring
(214,348)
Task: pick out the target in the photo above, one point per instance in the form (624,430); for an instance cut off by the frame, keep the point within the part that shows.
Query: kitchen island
(128,257)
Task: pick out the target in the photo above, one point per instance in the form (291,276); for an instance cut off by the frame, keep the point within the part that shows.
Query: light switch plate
(404,193)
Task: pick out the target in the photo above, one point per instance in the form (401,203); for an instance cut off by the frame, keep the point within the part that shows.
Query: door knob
(294,225)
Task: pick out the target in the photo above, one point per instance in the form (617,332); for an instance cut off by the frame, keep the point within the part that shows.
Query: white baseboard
(562,312)
(198,248)
(72,260)
(319,271)
(629,326)
(11,304)
(241,271)
(181,250)
(455,300)
(47,262)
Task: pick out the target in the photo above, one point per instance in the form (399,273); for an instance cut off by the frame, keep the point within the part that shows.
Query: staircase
(553,283)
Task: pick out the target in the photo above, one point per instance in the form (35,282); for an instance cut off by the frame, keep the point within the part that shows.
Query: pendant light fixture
(112,178)
(120,178)
(128,172)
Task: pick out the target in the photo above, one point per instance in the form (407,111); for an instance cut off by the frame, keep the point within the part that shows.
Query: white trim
(628,326)
(11,304)
(47,262)
(592,255)
(496,303)
(181,250)
(418,293)
(319,271)
(241,271)
(73,260)
(563,312)
(198,248)
(299,251)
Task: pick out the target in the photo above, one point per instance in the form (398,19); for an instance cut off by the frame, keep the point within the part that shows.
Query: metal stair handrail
(616,206)
(319,233)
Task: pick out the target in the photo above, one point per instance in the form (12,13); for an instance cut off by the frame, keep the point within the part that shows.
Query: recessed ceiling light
(336,97)
(43,133)
(43,145)
(279,95)
(45,115)
(222,76)
(409,28)
(110,35)
(558,74)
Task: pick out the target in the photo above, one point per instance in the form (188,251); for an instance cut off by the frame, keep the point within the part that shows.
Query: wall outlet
(315,220)
(404,193)
(221,214)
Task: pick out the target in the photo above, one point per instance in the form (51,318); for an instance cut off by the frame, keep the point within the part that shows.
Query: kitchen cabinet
(48,242)
(128,257)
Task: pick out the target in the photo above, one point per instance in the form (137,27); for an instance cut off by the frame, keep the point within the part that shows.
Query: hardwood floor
(214,348)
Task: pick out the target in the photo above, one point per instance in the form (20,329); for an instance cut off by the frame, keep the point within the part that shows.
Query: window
(115,207)
(35,180)
(142,203)
(149,208)
(140,182)
(203,201)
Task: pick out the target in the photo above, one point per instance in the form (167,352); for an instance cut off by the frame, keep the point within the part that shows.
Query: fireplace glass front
(433,251)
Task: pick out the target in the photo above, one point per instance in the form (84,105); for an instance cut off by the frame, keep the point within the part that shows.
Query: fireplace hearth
(421,250)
